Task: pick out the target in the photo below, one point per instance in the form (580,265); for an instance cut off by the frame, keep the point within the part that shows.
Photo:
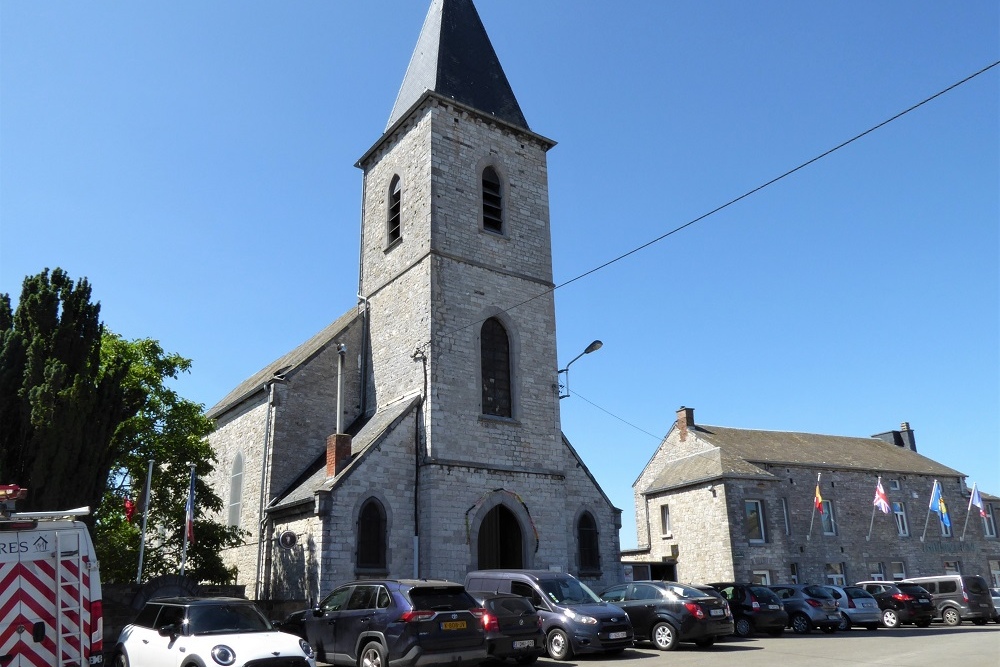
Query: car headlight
(306,648)
(580,618)
(223,655)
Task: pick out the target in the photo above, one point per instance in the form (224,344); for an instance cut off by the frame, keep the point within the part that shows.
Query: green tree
(59,404)
(171,431)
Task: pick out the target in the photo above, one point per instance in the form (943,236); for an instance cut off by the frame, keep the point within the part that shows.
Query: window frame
(497,399)
(492,210)
(899,514)
(588,539)
(372,537)
(666,529)
(989,521)
(900,571)
(235,504)
(827,518)
(761,524)
(394,212)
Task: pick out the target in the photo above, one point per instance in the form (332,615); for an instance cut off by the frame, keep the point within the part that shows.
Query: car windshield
(678,591)
(976,585)
(226,618)
(764,594)
(855,593)
(567,591)
(818,592)
(913,589)
(441,599)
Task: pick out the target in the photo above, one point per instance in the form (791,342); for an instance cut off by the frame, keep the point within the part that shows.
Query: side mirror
(168,630)
(317,611)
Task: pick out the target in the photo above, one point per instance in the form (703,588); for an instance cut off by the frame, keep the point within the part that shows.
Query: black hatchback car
(405,622)
(513,627)
(666,613)
(901,602)
(755,608)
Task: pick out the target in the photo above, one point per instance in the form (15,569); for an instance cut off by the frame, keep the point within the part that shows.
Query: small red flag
(129,509)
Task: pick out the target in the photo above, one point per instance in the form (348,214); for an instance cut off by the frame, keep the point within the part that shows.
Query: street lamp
(593,347)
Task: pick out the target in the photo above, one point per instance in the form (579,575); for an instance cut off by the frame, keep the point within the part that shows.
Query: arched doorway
(500,540)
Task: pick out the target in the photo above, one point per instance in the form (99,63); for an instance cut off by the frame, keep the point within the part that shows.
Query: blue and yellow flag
(937,504)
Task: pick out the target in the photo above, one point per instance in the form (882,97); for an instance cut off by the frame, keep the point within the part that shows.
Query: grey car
(809,606)
(857,607)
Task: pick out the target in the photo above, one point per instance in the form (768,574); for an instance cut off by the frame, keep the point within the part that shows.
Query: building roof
(744,453)
(454,58)
(286,365)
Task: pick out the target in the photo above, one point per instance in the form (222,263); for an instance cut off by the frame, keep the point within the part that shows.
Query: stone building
(722,504)
(419,434)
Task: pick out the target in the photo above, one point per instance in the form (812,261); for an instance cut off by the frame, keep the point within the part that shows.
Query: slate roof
(367,437)
(455,58)
(740,452)
(285,365)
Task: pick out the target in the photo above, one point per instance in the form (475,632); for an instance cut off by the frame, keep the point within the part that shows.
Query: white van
(50,588)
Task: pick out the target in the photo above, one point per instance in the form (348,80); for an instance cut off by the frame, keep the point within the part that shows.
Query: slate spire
(454,58)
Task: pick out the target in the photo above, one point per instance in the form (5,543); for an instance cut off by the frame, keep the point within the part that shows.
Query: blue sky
(195,161)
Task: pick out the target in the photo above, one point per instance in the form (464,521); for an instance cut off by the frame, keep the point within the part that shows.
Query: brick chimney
(338,453)
(685,421)
(906,434)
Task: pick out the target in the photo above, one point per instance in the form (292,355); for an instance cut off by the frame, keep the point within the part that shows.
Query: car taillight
(415,615)
(850,603)
(490,623)
(478,612)
(695,610)
(96,628)
(813,603)
(902,597)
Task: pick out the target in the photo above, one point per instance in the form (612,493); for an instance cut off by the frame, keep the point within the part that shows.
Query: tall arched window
(236,490)
(371,535)
(495,358)
(395,204)
(492,201)
(587,539)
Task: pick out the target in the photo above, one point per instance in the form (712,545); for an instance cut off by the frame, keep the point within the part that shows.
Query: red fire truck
(51,614)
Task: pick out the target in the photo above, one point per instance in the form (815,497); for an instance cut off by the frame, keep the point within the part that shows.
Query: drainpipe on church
(418,355)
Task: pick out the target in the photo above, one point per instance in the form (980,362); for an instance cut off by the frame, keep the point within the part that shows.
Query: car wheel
(951,617)
(527,659)
(121,659)
(664,636)
(890,618)
(845,623)
(923,624)
(372,655)
(801,625)
(704,642)
(558,646)
(776,632)
(743,627)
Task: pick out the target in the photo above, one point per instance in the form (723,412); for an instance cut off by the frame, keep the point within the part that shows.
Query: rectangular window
(894,485)
(898,569)
(952,567)
(835,574)
(989,524)
(995,572)
(902,527)
(784,512)
(754,510)
(876,571)
(665,521)
(761,577)
(945,530)
(793,570)
(829,524)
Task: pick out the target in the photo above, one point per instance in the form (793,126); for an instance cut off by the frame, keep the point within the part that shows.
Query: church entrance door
(500,540)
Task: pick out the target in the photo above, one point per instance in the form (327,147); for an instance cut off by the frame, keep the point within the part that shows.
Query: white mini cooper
(203,632)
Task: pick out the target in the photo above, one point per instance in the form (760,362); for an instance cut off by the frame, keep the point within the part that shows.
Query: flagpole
(872,523)
(928,519)
(145,515)
(812,517)
(968,512)
(186,509)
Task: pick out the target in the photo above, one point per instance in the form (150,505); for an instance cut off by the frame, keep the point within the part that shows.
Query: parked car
(809,606)
(958,597)
(667,613)
(206,631)
(513,627)
(857,607)
(901,602)
(378,622)
(995,594)
(574,619)
(755,608)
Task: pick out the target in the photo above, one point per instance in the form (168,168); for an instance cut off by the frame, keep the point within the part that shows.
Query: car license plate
(716,612)
(833,617)
(774,606)
(524,643)
(617,635)
(923,600)
(453,625)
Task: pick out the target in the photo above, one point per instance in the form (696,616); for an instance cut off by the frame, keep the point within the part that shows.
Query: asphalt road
(936,646)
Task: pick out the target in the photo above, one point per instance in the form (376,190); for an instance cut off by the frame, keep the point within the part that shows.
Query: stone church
(419,434)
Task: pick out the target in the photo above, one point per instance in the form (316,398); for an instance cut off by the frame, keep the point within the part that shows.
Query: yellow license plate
(453,625)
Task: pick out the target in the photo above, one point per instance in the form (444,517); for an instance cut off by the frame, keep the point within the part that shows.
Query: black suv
(513,627)
(755,608)
(405,622)
(901,602)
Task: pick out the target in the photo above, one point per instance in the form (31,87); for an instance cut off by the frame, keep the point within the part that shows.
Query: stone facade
(714,536)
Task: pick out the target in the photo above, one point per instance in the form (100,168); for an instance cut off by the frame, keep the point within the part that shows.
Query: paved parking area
(937,646)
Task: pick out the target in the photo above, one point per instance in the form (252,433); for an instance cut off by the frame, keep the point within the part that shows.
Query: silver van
(574,619)
(958,597)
